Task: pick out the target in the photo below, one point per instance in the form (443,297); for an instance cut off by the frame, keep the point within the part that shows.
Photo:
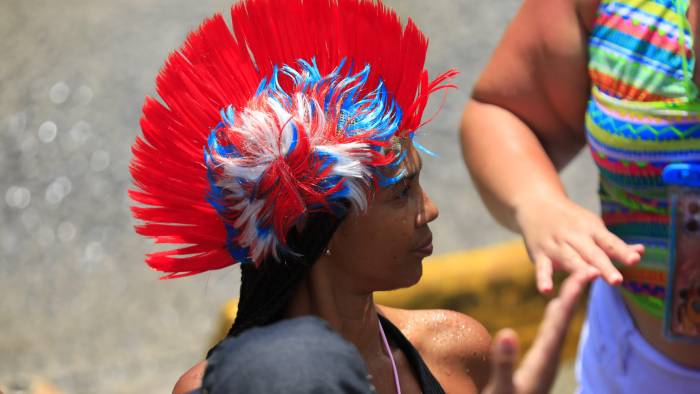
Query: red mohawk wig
(216,69)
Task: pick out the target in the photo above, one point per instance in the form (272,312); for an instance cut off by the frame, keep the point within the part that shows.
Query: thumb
(504,357)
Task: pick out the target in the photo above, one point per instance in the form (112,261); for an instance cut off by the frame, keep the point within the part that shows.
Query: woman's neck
(353,315)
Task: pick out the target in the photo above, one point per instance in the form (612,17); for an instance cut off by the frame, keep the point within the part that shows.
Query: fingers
(617,249)
(595,256)
(570,260)
(504,356)
(639,248)
(538,369)
(557,316)
(565,257)
(543,272)
(560,310)
(573,239)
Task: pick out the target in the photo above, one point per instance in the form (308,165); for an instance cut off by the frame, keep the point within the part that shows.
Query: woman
(287,147)
(618,75)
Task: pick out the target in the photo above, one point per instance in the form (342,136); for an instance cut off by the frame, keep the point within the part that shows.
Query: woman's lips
(426,248)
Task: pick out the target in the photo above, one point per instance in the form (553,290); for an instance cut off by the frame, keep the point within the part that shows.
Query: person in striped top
(617,76)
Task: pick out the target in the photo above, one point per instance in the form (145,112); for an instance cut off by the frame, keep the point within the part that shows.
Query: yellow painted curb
(37,385)
(495,285)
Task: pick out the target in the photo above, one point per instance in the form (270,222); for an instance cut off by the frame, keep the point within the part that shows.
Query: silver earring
(327,252)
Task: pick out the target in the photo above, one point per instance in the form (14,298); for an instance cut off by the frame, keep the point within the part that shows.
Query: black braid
(266,290)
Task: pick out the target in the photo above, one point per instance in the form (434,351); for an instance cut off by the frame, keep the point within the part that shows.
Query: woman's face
(383,248)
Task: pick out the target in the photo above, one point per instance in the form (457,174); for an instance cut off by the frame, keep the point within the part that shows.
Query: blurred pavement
(77,304)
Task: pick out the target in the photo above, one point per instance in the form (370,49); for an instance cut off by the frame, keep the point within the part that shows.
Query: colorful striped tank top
(643,114)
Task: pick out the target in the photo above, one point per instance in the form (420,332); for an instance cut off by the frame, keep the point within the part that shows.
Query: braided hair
(266,290)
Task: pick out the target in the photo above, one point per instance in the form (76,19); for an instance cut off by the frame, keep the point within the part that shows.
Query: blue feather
(423,149)
(399,159)
(385,181)
(295,139)
(375,115)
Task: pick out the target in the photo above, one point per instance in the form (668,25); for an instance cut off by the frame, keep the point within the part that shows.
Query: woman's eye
(405,187)
(405,190)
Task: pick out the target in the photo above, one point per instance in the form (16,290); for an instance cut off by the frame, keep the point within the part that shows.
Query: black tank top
(428,383)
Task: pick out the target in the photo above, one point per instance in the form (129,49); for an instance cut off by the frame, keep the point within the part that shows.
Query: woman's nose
(429,211)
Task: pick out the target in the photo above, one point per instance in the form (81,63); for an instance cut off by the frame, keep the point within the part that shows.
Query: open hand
(562,236)
(539,367)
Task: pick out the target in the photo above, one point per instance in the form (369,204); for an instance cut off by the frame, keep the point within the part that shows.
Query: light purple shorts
(613,356)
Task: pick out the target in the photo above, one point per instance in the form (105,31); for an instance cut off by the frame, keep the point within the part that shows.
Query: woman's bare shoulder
(446,337)
(429,325)
(191,380)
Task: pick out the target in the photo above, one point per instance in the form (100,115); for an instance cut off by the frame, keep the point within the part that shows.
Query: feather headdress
(293,112)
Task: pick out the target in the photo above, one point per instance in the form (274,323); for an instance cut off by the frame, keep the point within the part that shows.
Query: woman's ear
(335,240)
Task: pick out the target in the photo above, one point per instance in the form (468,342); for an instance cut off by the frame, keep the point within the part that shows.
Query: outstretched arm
(538,369)
(523,123)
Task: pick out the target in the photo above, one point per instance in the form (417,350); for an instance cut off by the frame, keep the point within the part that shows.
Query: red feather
(214,69)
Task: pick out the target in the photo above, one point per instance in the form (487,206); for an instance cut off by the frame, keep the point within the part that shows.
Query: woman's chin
(417,274)
(405,278)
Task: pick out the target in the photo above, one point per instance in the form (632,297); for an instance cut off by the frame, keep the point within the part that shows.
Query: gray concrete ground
(77,304)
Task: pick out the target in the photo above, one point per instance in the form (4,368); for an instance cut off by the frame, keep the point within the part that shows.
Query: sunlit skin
(383,249)
(531,100)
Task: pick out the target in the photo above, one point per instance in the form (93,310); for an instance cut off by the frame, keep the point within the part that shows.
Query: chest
(383,375)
